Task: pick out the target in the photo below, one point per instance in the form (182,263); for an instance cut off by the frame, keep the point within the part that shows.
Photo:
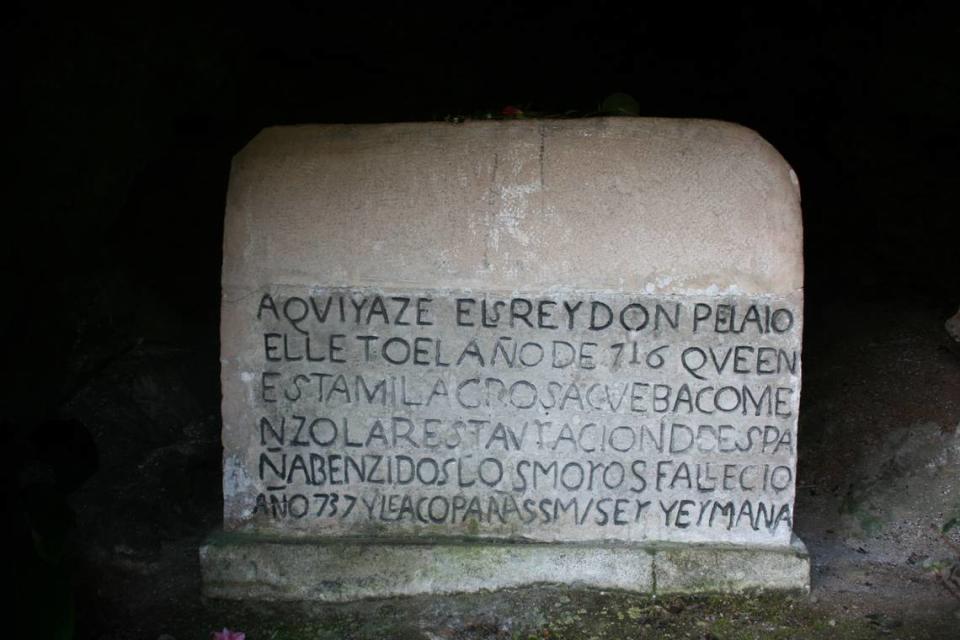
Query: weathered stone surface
(683,429)
(609,204)
(340,571)
(568,331)
(699,568)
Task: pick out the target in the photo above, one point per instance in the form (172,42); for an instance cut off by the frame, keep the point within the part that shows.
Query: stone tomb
(473,356)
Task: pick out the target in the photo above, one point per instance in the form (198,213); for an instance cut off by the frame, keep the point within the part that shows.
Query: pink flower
(226,634)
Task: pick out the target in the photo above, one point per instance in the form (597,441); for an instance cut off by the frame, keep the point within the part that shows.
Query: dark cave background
(127,118)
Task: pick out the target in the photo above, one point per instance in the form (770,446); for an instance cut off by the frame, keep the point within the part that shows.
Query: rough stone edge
(242,567)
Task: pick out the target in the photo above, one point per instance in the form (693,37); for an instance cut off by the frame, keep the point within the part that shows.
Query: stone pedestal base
(258,568)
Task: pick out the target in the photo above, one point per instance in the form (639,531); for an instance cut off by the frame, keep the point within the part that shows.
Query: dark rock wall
(119,155)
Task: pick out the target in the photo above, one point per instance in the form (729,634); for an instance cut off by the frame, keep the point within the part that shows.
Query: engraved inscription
(555,416)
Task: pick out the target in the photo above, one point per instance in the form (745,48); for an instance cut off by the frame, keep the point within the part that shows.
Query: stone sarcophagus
(462,357)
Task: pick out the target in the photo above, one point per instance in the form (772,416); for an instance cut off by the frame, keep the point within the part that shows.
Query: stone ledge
(259,568)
